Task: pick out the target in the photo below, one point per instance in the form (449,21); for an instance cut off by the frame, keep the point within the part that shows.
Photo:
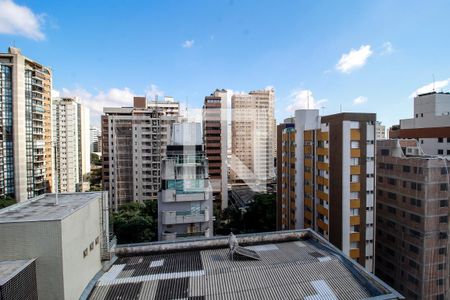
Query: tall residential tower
(253,136)
(412,220)
(215,133)
(134,141)
(185,200)
(71,141)
(333,165)
(26,165)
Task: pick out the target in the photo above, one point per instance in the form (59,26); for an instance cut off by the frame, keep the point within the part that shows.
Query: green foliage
(6,201)
(259,216)
(136,222)
(95,160)
(95,179)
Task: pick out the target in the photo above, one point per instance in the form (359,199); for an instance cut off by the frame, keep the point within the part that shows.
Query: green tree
(136,222)
(6,201)
(260,215)
(95,179)
(95,160)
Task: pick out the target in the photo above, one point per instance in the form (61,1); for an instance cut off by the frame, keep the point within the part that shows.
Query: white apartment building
(134,141)
(185,206)
(253,136)
(334,180)
(430,124)
(95,140)
(72,143)
(380,131)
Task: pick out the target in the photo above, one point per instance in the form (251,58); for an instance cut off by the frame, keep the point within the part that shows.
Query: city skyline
(358,58)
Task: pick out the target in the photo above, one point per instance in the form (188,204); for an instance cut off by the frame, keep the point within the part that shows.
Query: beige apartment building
(134,141)
(286,175)
(412,220)
(26,123)
(328,168)
(253,132)
(71,140)
(215,136)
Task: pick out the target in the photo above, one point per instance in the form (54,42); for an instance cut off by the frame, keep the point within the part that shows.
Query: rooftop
(291,265)
(43,208)
(9,268)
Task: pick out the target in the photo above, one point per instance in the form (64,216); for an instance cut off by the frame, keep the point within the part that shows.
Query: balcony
(172,196)
(184,217)
(38,109)
(38,143)
(171,236)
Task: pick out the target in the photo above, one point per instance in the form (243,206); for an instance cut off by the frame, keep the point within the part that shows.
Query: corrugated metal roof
(286,270)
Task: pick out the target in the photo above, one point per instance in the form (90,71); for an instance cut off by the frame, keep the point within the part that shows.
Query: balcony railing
(183,217)
(172,196)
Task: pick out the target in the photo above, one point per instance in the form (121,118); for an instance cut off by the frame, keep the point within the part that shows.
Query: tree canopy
(259,216)
(136,222)
(6,201)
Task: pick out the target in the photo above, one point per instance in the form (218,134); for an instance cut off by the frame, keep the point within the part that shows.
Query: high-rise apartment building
(95,140)
(253,136)
(430,125)
(412,220)
(333,166)
(134,140)
(71,142)
(286,175)
(185,200)
(215,133)
(380,131)
(26,166)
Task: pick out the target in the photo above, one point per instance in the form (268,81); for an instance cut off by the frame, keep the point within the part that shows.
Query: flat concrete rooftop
(292,265)
(10,268)
(43,208)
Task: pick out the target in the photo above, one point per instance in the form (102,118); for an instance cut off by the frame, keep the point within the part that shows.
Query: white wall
(41,240)
(78,231)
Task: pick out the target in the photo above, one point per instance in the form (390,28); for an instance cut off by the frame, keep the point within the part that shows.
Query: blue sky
(367,56)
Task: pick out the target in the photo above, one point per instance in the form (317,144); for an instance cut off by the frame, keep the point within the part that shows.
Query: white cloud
(188,44)
(359,100)
(20,20)
(303,99)
(114,97)
(269,87)
(436,86)
(387,48)
(355,59)
(153,91)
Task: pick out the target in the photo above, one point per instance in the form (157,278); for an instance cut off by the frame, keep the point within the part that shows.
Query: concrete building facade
(430,124)
(68,238)
(215,136)
(380,131)
(26,139)
(134,141)
(412,220)
(333,166)
(253,131)
(71,142)
(185,201)
(286,175)
(95,140)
